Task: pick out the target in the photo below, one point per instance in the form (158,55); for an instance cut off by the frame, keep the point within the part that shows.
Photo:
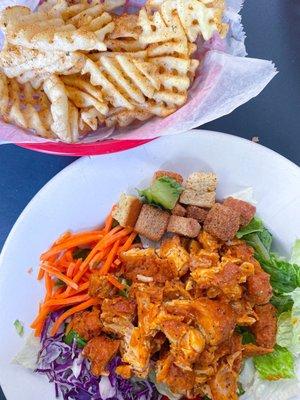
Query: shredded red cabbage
(70,372)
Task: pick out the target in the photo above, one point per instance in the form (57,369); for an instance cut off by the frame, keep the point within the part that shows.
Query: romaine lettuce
(295,257)
(277,365)
(288,334)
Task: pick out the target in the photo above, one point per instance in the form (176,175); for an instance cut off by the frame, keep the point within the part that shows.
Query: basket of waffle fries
(90,76)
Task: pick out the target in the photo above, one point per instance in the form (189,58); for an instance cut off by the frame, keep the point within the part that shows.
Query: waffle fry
(17,60)
(43,32)
(4,95)
(123,118)
(91,117)
(84,100)
(196,16)
(74,65)
(56,93)
(19,105)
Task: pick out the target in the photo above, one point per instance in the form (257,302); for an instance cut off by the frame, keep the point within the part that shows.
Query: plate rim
(208,133)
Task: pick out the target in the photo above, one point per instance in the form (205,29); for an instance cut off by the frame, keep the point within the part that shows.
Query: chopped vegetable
(66,267)
(283,302)
(81,253)
(257,236)
(126,283)
(59,283)
(295,257)
(19,327)
(163,192)
(241,390)
(285,277)
(70,372)
(247,336)
(73,336)
(288,334)
(254,226)
(114,281)
(277,365)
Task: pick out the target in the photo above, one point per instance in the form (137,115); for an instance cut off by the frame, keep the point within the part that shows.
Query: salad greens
(163,192)
(127,283)
(277,365)
(19,327)
(285,281)
(288,334)
(81,253)
(72,336)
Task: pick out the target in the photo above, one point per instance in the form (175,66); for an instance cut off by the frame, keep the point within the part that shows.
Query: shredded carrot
(67,302)
(114,281)
(71,311)
(110,258)
(106,244)
(73,242)
(48,285)
(126,246)
(59,275)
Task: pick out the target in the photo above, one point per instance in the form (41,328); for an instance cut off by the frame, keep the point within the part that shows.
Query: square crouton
(184,226)
(202,182)
(222,222)
(152,222)
(197,213)
(246,210)
(177,177)
(194,198)
(179,210)
(127,210)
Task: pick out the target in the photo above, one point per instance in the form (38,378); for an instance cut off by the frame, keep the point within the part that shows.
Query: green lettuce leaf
(277,365)
(285,277)
(257,236)
(255,225)
(19,327)
(283,302)
(163,192)
(295,257)
(288,333)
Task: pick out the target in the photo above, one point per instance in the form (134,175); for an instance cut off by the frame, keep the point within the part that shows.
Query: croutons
(222,222)
(202,182)
(179,210)
(197,213)
(200,190)
(127,210)
(184,226)
(177,177)
(192,197)
(152,222)
(246,210)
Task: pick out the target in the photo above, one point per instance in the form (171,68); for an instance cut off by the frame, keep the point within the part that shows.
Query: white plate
(81,195)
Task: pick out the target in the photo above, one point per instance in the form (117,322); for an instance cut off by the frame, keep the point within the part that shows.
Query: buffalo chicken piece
(216,318)
(100,350)
(179,381)
(259,288)
(117,315)
(223,385)
(172,250)
(100,287)
(265,328)
(144,264)
(86,324)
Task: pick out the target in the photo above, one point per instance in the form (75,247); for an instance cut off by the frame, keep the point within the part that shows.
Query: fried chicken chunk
(100,350)
(87,324)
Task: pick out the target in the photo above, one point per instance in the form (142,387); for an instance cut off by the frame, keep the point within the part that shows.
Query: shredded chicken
(185,306)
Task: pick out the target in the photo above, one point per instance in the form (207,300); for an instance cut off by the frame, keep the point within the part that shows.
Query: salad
(176,296)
